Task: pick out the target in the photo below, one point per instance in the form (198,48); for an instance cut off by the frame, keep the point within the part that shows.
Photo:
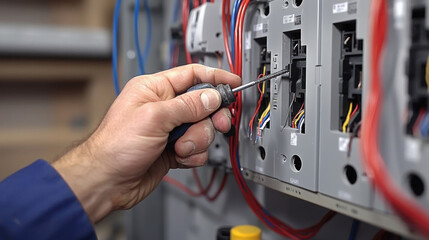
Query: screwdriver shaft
(260,80)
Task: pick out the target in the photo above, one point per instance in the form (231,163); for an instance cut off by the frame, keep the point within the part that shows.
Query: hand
(125,158)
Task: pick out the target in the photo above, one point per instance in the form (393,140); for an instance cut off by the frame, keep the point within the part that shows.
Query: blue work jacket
(36,203)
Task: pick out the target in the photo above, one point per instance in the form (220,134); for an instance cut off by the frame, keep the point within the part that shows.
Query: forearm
(86,177)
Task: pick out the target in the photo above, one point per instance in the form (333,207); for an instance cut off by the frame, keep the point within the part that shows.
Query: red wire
(185,15)
(354,111)
(196,3)
(412,213)
(228,15)
(225,36)
(203,190)
(418,121)
(219,191)
(293,120)
(182,187)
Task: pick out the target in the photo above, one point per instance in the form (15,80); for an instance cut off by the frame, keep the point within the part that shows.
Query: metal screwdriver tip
(260,80)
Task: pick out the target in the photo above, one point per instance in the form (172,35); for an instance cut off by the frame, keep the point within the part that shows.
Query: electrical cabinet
(300,133)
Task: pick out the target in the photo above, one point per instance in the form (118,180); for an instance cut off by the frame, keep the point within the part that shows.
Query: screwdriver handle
(227,98)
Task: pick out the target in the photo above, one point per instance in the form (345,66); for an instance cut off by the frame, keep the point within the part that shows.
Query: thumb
(190,107)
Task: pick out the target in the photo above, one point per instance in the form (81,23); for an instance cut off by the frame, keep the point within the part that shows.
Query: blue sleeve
(36,203)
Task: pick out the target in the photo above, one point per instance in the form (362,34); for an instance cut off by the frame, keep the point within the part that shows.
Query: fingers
(196,139)
(195,160)
(184,77)
(188,108)
(222,120)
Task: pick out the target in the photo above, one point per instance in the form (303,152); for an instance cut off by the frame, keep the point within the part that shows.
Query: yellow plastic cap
(246,232)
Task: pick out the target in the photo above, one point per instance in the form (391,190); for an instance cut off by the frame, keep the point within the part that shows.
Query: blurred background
(55,81)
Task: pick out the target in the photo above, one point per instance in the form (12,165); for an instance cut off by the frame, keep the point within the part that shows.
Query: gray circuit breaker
(345,79)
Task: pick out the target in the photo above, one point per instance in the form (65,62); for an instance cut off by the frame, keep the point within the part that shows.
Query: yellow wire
(427,73)
(348,118)
(264,114)
(299,116)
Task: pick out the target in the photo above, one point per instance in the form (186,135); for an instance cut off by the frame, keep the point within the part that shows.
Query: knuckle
(192,105)
(151,112)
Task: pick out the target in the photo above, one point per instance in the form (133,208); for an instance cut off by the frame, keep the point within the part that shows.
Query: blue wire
(115,47)
(142,59)
(175,18)
(136,37)
(424,126)
(353,231)
(302,119)
(149,31)
(265,119)
(234,13)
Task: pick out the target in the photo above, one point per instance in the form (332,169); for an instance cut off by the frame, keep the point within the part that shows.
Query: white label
(258,27)
(340,7)
(294,181)
(289,19)
(293,139)
(259,169)
(413,150)
(344,195)
(248,41)
(343,144)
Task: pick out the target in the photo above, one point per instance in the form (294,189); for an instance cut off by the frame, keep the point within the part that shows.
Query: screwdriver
(228,97)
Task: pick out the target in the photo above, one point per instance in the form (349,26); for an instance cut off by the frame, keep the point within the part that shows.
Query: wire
(185,15)
(374,164)
(258,106)
(293,120)
(136,37)
(219,191)
(346,122)
(418,121)
(354,229)
(299,116)
(115,46)
(225,34)
(180,186)
(424,127)
(142,59)
(353,117)
(427,73)
(234,13)
(301,122)
(148,43)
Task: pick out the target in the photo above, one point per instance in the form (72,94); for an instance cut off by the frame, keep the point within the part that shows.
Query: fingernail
(183,161)
(186,148)
(210,99)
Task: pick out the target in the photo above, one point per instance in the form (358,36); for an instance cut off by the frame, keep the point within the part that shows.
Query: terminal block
(418,71)
(297,66)
(264,67)
(350,77)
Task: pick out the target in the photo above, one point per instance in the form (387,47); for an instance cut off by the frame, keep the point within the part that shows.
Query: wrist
(88,181)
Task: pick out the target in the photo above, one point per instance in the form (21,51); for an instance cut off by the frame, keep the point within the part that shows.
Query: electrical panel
(301,132)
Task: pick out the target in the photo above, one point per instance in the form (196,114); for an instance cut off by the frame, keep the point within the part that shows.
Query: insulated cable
(346,122)
(115,28)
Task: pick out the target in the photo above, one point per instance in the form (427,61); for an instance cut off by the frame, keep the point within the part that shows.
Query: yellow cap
(245,232)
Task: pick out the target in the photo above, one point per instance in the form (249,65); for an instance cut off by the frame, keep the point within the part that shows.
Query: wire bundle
(376,169)
(298,120)
(258,106)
